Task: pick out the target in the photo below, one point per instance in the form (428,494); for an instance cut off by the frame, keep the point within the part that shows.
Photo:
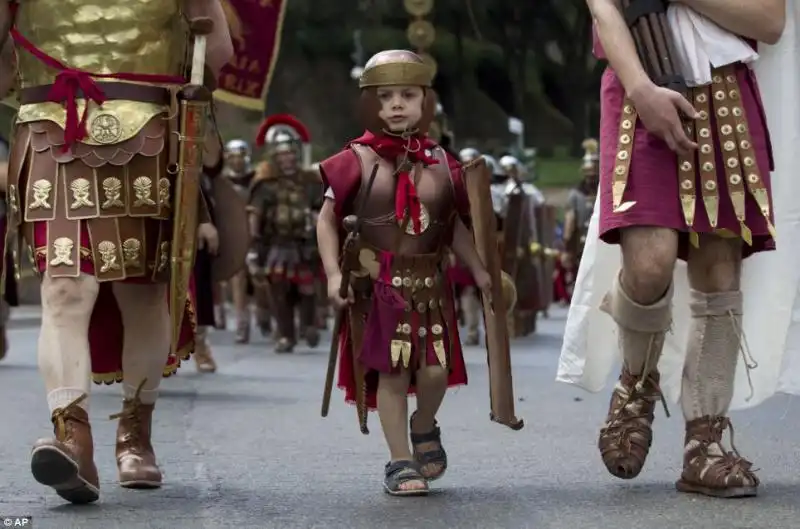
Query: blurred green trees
(526,58)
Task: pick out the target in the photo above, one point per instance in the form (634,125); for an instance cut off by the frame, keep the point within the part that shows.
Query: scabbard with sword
(195,102)
(349,262)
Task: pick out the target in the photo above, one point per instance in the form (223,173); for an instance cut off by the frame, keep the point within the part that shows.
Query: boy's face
(401,106)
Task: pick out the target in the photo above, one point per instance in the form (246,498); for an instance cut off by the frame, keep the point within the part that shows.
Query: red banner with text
(256,27)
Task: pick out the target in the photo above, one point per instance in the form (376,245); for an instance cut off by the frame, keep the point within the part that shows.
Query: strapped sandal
(437,456)
(400,472)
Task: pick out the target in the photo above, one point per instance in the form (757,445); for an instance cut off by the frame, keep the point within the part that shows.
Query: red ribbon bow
(406,199)
(65,90)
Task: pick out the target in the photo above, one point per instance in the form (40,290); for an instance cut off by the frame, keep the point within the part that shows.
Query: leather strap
(120,91)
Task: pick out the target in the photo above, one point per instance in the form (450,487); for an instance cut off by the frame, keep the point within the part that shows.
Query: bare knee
(68,295)
(394,382)
(649,256)
(716,264)
(432,375)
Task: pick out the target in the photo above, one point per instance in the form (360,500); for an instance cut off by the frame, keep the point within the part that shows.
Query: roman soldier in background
(522,243)
(466,295)
(240,172)
(10,271)
(222,248)
(95,193)
(578,212)
(284,200)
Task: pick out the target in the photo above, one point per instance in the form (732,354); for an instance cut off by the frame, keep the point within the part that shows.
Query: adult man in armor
(90,188)
(523,250)
(577,213)
(284,200)
(697,190)
(239,170)
(400,334)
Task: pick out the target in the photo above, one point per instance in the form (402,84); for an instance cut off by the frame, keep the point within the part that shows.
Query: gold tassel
(396,350)
(712,209)
(406,353)
(688,204)
(694,239)
(762,199)
(438,348)
(747,235)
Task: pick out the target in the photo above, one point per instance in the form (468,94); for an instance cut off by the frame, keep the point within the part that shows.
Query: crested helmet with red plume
(285,133)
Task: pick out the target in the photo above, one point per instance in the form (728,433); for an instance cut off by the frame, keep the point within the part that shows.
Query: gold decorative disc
(428,59)
(418,8)
(421,34)
(424,222)
(105,128)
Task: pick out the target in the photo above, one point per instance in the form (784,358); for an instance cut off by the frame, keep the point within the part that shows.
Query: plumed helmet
(468,154)
(285,133)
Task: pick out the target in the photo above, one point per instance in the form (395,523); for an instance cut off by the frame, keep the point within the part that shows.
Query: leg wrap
(712,353)
(641,327)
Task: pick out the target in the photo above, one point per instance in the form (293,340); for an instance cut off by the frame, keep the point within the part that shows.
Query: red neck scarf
(414,149)
(70,80)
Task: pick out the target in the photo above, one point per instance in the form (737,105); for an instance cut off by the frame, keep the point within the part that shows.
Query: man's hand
(208,238)
(334,283)
(484,282)
(660,109)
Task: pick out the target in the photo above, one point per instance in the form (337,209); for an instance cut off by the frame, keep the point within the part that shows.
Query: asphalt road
(246,448)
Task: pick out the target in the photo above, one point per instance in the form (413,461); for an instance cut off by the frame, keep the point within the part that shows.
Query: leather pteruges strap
(640,8)
(627,127)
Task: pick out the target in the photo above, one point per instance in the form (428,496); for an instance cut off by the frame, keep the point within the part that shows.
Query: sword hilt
(200,28)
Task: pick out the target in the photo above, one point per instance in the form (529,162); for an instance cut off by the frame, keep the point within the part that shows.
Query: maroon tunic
(652,179)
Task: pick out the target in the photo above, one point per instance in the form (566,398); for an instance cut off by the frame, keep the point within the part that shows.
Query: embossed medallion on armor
(112,191)
(108,256)
(424,221)
(163,192)
(62,247)
(131,252)
(41,194)
(81,188)
(105,128)
(143,189)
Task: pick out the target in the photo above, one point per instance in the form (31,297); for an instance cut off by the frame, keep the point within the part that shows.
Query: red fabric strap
(406,199)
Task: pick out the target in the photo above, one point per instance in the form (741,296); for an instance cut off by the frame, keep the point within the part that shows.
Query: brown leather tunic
(436,193)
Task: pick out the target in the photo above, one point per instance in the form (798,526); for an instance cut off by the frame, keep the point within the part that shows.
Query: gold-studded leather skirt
(405,304)
(723,188)
(102,210)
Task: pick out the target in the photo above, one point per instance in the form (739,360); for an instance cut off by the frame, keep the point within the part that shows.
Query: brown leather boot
(136,460)
(709,468)
(627,434)
(66,463)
